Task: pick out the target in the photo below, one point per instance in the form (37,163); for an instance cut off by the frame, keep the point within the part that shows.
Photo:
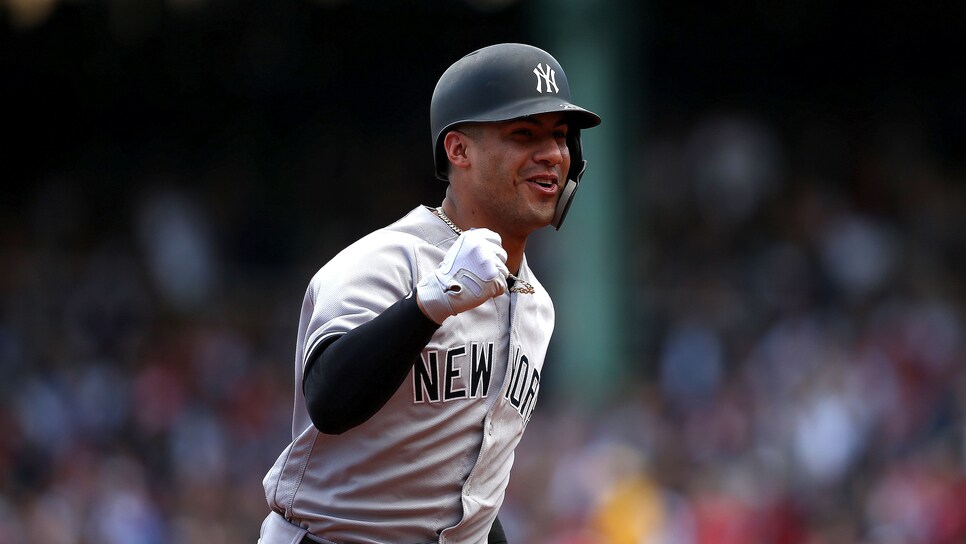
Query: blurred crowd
(805,380)
(143,393)
(801,377)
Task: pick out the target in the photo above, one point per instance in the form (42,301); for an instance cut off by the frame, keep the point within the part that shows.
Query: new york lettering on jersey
(523,385)
(462,372)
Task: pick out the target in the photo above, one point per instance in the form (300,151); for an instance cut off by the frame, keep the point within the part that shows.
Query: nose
(549,152)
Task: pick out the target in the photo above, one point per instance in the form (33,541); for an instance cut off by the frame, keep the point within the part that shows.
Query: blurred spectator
(804,380)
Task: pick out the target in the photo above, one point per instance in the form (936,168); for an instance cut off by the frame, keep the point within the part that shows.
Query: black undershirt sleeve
(497,535)
(352,376)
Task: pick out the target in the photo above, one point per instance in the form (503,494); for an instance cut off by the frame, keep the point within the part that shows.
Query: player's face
(519,170)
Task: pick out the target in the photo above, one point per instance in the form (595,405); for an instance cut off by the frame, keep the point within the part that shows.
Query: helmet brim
(577,117)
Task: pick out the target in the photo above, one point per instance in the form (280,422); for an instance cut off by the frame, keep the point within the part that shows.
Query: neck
(514,245)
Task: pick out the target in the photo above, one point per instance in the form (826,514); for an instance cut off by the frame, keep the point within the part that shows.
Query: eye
(523,132)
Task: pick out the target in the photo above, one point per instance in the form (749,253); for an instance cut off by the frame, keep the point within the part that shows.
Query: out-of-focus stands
(806,371)
(801,380)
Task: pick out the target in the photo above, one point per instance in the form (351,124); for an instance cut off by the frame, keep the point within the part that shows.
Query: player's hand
(472,272)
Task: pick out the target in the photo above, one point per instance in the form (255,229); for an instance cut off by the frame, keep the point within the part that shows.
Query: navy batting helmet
(508,81)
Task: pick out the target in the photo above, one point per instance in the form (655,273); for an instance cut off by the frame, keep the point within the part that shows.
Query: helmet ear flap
(577,167)
(563,205)
(577,162)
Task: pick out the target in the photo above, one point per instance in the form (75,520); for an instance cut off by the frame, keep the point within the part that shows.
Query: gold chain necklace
(519,286)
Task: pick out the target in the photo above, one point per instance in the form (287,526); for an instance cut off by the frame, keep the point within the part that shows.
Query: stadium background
(790,364)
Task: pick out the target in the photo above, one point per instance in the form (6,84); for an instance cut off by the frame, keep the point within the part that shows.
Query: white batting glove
(472,272)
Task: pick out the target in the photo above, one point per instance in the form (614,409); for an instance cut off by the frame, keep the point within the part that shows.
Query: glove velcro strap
(432,295)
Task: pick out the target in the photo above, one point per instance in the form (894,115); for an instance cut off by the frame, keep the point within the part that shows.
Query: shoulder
(425,225)
(390,255)
(403,240)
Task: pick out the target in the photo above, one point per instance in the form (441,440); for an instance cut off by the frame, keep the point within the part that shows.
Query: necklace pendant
(524,289)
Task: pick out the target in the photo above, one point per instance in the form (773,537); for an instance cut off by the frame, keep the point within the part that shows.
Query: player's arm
(350,377)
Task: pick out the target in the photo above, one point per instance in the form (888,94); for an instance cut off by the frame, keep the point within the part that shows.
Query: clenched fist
(472,272)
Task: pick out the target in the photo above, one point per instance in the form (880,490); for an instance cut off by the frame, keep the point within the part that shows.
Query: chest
(494,353)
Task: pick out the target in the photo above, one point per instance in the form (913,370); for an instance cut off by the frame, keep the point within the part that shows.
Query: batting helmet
(508,81)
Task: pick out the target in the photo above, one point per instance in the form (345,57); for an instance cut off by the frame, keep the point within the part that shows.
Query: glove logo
(546,76)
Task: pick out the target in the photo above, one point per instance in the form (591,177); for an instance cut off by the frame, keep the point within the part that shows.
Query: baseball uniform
(432,464)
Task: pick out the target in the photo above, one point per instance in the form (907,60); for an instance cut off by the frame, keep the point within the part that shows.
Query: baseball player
(421,346)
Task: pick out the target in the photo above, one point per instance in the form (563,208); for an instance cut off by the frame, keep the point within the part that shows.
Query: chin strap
(577,167)
(566,197)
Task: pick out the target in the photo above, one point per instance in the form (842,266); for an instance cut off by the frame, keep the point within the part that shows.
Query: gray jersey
(433,464)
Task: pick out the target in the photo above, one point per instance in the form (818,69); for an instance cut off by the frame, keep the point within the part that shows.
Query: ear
(456,144)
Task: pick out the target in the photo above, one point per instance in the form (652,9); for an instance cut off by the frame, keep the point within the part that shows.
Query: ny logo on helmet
(546,76)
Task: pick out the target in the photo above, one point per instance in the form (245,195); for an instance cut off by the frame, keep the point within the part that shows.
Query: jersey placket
(499,418)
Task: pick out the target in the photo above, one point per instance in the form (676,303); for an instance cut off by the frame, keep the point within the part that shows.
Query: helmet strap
(567,196)
(563,205)
(577,167)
